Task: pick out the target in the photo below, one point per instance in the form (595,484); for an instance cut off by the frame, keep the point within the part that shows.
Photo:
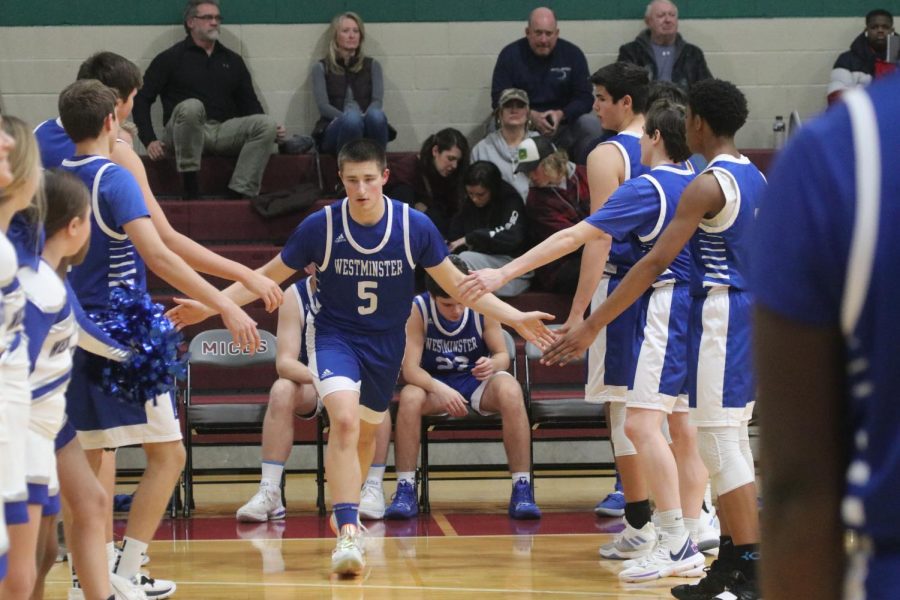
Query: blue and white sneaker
(631,543)
(614,503)
(688,561)
(405,503)
(521,502)
(265,505)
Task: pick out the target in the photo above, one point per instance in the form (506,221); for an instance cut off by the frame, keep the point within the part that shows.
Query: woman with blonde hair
(348,88)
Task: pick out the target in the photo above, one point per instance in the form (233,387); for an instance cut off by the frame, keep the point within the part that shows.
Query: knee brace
(720,450)
(744,439)
(622,446)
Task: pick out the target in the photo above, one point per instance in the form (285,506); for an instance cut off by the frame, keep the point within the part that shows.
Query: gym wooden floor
(466,548)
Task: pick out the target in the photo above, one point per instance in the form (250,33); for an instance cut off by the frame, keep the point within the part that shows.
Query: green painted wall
(19,13)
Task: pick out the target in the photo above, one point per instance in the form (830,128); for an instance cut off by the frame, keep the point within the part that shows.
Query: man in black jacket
(662,51)
(867,57)
(209,105)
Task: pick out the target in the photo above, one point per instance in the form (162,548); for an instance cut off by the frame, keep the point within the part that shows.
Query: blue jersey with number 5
(451,348)
(366,274)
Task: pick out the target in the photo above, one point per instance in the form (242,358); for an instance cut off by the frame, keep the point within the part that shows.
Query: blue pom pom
(134,321)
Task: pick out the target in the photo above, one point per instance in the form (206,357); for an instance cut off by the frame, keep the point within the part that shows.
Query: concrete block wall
(438,74)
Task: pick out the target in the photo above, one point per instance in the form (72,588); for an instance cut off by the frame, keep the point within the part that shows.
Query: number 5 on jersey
(366,292)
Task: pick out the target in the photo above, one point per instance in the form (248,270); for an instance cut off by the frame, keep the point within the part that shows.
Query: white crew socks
(375,476)
(272,472)
(517,476)
(130,561)
(407,476)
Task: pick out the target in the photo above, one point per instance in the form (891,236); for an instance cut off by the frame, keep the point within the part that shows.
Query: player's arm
(289,340)
(529,325)
(179,275)
(414,374)
(499,359)
(703,196)
(478,283)
(188,312)
(197,256)
(605,173)
(803,428)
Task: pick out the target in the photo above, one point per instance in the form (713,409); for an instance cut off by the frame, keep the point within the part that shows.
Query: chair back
(215,347)
(511,350)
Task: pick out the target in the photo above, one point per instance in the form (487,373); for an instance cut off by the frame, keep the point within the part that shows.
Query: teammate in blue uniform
(123,239)
(715,215)
(8,268)
(826,271)
(620,100)
(456,359)
(365,248)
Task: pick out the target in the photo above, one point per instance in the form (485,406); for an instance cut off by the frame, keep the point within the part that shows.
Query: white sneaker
(371,502)
(348,557)
(631,543)
(125,589)
(76,594)
(155,589)
(707,535)
(265,505)
(688,561)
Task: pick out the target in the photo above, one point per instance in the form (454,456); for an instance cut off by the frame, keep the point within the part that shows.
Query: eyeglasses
(209,18)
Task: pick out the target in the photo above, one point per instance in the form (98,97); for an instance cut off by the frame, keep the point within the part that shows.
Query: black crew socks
(638,513)
(746,559)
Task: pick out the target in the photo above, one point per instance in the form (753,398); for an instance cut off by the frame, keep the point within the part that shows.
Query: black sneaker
(741,589)
(718,578)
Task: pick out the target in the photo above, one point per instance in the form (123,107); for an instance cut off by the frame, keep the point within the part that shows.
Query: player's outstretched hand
(478,283)
(531,326)
(572,322)
(188,312)
(484,368)
(267,290)
(242,327)
(571,346)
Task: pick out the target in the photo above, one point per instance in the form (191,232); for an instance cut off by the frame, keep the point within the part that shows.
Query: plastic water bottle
(780,132)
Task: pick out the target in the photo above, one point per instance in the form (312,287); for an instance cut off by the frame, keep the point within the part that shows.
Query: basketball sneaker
(348,557)
(521,502)
(688,561)
(404,504)
(719,576)
(707,536)
(265,505)
(371,501)
(614,503)
(125,589)
(155,589)
(631,543)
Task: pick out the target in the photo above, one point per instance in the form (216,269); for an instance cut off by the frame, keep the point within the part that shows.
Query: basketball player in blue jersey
(826,271)
(634,216)
(715,215)
(293,394)
(456,358)
(620,100)
(365,248)
(8,268)
(123,240)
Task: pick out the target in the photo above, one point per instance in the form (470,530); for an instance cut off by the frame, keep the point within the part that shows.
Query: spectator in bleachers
(662,51)
(559,198)
(434,187)
(867,57)
(500,146)
(554,73)
(209,106)
(348,88)
(489,230)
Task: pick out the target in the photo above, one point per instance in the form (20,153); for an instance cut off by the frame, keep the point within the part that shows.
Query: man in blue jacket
(555,75)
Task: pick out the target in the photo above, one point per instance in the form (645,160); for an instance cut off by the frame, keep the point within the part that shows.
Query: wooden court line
(444,524)
(466,590)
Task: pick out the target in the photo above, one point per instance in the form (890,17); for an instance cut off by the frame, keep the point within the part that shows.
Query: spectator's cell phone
(893,48)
